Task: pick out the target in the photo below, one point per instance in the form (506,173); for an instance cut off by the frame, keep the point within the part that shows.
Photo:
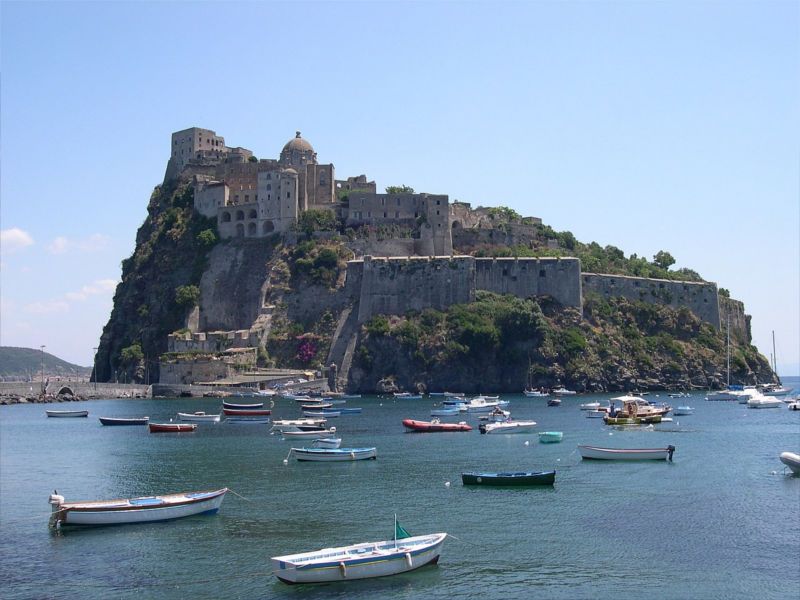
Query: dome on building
(297,143)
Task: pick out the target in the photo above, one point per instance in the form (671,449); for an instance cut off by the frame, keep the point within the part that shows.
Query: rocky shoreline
(10,399)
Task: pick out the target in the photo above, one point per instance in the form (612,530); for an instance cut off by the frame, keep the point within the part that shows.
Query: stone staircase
(344,343)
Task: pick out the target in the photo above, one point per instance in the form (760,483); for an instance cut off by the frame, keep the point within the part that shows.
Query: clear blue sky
(646,125)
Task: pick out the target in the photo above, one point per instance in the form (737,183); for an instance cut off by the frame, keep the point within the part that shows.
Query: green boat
(510,479)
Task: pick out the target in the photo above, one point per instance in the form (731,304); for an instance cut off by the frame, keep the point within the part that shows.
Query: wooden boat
(309,435)
(134,510)
(360,561)
(445,411)
(636,406)
(435,425)
(343,410)
(238,412)
(334,454)
(511,479)
(597,453)
(172,427)
(622,419)
(199,417)
(683,411)
(67,413)
(247,420)
(550,437)
(254,406)
(327,414)
(508,426)
(326,443)
(316,406)
(119,421)
(791,460)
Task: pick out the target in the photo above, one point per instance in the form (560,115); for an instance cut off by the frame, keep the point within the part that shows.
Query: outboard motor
(482,428)
(56,501)
(670,450)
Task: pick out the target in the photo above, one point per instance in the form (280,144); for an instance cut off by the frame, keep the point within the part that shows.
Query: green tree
(317,220)
(132,354)
(399,189)
(252,159)
(187,295)
(663,259)
(207,238)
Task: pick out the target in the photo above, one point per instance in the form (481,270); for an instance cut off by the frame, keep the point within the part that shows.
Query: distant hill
(22,363)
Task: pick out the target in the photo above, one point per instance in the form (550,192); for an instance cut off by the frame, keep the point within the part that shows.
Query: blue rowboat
(550,437)
(510,479)
(342,410)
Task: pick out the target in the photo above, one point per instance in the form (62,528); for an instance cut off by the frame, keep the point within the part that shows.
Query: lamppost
(44,389)
(95,368)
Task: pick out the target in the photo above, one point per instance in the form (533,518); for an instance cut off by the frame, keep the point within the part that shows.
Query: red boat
(246,413)
(435,425)
(173,427)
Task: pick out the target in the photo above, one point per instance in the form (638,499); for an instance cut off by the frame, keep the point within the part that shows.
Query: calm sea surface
(721,521)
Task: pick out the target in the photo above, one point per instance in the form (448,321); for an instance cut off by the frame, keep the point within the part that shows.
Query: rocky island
(245,265)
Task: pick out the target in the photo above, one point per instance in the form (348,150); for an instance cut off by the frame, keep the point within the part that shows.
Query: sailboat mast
(729,350)
(774,356)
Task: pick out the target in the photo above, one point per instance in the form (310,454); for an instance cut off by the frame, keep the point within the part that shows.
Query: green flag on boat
(399,532)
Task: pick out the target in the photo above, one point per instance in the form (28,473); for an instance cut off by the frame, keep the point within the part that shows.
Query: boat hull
(234,412)
(118,422)
(234,406)
(198,418)
(309,435)
(172,427)
(683,411)
(137,510)
(596,453)
(362,561)
(791,460)
(431,427)
(507,428)
(67,414)
(550,437)
(509,479)
(334,454)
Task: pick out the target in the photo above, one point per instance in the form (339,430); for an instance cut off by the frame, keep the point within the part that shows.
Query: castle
(255,198)
(252,198)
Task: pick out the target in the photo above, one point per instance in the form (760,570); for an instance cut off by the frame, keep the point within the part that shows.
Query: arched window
(239,230)
(240,215)
(456,225)
(251,229)
(268,227)
(226,217)
(252,214)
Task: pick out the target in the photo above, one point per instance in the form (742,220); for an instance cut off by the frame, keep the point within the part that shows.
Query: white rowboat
(597,453)
(334,454)
(67,413)
(198,417)
(791,460)
(359,561)
(134,510)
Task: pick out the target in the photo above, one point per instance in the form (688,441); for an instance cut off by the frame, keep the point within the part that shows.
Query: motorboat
(623,419)
(794,405)
(590,406)
(435,425)
(66,414)
(636,406)
(121,421)
(508,426)
(510,479)
(774,389)
(498,415)
(445,411)
(723,395)
(134,510)
(198,417)
(562,391)
(333,454)
(407,396)
(597,453)
(298,424)
(791,460)
(761,401)
(550,437)
(683,411)
(554,401)
(309,435)
(535,393)
(172,427)
(360,561)
(482,404)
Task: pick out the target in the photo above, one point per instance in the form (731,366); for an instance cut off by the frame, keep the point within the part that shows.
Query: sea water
(720,521)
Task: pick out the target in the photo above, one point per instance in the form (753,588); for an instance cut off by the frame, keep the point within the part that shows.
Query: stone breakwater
(61,391)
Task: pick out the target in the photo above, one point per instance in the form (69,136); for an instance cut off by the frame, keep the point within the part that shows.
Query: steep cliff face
(502,344)
(171,251)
